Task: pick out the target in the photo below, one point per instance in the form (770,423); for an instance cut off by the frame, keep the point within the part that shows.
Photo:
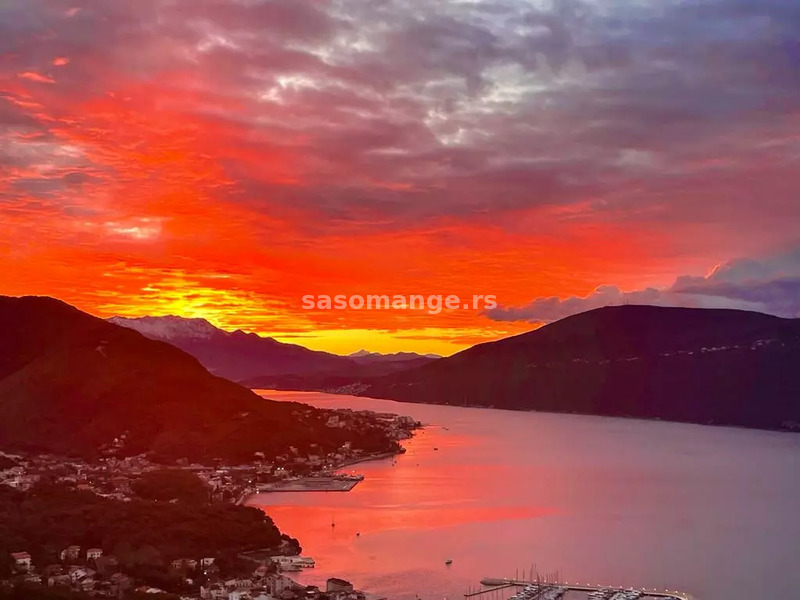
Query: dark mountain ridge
(695,365)
(71,383)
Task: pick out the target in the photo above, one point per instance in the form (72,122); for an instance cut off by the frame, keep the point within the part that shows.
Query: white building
(22,560)
(76,575)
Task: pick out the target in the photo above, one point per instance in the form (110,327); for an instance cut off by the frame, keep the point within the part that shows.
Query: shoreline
(333,392)
(246,495)
(363,459)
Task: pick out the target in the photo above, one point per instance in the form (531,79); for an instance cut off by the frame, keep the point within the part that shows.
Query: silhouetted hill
(696,365)
(71,383)
(248,357)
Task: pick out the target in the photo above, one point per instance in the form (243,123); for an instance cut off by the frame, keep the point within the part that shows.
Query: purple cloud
(771,285)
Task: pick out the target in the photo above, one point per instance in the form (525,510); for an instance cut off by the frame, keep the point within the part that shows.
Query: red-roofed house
(93,553)
(22,560)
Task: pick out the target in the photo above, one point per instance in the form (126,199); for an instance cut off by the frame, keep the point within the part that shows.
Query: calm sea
(712,511)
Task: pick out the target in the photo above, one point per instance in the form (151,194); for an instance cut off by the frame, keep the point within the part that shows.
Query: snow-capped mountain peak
(168,327)
(366,354)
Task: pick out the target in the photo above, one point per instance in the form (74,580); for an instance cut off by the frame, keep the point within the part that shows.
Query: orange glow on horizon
(186,168)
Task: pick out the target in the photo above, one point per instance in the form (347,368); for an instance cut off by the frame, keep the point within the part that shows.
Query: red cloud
(37,77)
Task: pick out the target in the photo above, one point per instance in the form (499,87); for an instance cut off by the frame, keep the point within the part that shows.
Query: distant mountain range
(74,384)
(365,356)
(693,365)
(248,357)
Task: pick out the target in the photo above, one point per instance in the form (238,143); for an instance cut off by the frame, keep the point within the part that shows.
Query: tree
(171,484)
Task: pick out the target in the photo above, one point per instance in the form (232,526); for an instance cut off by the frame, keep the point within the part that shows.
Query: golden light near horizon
(196,172)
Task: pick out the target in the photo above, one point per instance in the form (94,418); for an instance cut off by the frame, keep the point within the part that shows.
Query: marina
(294,563)
(514,589)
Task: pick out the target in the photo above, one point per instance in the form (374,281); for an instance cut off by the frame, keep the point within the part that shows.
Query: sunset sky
(223,158)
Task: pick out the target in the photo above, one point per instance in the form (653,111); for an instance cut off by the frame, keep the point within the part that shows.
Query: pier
(538,590)
(334,483)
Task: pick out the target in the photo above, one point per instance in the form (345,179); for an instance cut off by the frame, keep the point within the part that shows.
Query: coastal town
(92,573)
(112,476)
(250,574)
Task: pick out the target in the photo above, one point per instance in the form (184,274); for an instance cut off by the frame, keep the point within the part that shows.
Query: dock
(554,590)
(334,483)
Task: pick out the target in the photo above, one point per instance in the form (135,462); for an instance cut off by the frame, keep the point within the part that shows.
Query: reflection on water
(708,510)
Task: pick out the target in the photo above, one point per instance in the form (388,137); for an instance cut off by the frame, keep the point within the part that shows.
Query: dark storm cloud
(396,111)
